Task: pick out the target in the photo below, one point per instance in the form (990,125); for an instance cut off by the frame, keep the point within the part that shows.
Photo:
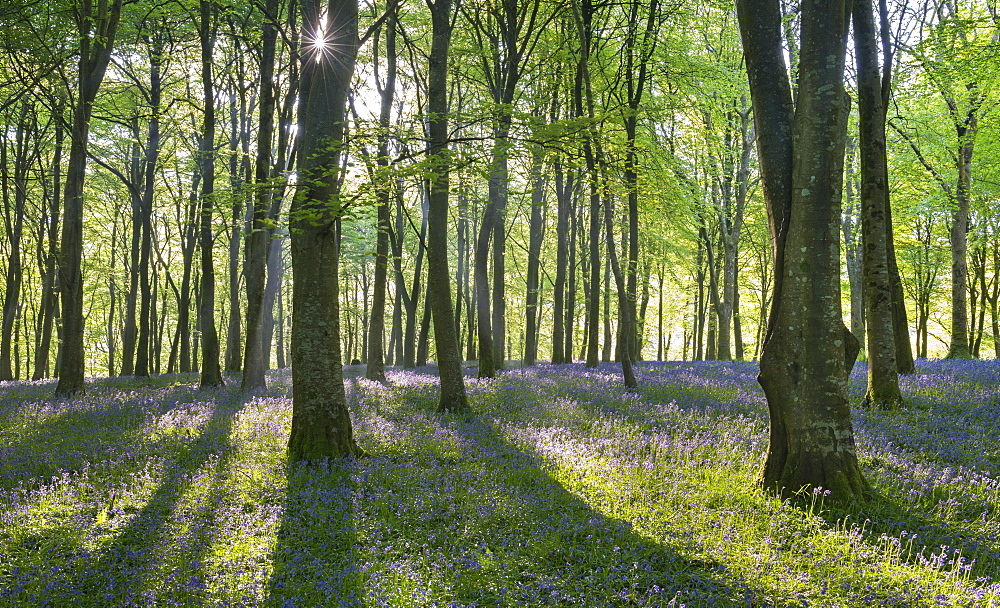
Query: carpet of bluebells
(558,489)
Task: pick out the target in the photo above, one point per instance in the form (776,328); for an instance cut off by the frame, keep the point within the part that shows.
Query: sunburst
(326,41)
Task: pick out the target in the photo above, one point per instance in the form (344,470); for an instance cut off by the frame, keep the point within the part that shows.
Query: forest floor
(558,489)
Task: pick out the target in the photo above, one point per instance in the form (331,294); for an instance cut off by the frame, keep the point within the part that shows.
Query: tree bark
(563,203)
(211,373)
(258,244)
(13,220)
(97,36)
(321,424)
(883,379)
(449,359)
(375,369)
(152,152)
(803,369)
(535,233)
(49,303)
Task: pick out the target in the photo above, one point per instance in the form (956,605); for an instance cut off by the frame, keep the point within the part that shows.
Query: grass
(557,490)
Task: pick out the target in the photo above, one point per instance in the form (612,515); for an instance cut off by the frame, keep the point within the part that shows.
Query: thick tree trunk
(321,424)
(803,369)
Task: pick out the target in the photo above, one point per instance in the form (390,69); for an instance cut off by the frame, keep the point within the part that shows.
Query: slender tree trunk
(959,346)
(487,351)
(146,208)
(453,397)
(570,303)
(211,374)
(49,304)
(423,339)
(563,203)
(13,220)
(376,351)
(535,234)
(606,342)
(258,244)
(851,228)
(130,332)
(583,18)
(883,380)
(97,37)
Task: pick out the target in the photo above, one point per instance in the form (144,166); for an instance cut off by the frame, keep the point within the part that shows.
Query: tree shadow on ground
(52,437)
(112,572)
(448,510)
(313,560)
(907,534)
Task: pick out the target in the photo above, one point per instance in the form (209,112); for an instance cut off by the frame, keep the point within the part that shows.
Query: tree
(387,92)
(258,245)
(321,424)
(803,371)
(883,379)
(956,38)
(97,27)
(211,373)
(449,359)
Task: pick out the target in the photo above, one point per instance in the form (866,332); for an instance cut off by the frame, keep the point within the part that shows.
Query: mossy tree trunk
(321,424)
(883,378)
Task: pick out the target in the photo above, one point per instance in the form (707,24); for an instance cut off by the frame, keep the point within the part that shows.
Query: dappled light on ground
(559,488)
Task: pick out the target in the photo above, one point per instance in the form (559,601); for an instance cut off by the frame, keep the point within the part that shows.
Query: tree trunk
(130,332)
(563,202)
(321,424)
(453,397)
(535,233)
(146,208)
(211,374)
(570,303)
(584,18)
(49,303)
(13,220)
(258,244)
(375,369)
(487,350)
(958,235)
(883,380)
(803,369)
(851,228)
(97,37)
